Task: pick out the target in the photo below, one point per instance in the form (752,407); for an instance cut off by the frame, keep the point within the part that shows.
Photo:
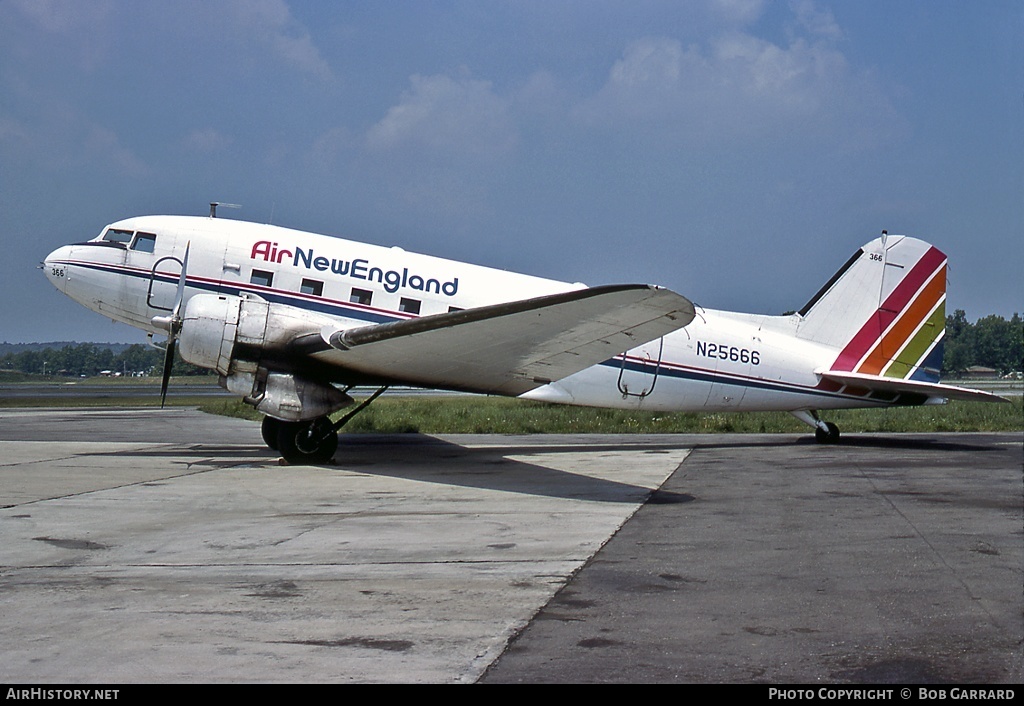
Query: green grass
(103,400)
(15,377)
(53,391)
(497,415)
(454,414)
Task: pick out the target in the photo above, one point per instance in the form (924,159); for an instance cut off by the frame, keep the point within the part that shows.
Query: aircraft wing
(878,382)
(513,347)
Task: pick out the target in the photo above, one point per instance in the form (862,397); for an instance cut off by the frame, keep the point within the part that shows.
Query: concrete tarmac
(171,546)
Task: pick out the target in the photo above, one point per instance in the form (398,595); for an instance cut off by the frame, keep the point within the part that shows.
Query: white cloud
(737,87)
(205,140)
(739,11)
(63,27)
(102,144)
(54,134)
(820,23)
(794,78)
(460,117)
(331,146)
(438,151)
(64,16)
(271,23)
(265,28)
(649,65)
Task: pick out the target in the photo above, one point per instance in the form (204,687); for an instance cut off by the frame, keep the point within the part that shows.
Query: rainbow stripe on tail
(893,290)
(903,338)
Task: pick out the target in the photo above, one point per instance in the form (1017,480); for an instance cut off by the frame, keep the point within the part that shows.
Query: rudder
(884,310)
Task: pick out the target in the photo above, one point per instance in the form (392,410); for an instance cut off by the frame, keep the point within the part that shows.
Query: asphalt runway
(145,546)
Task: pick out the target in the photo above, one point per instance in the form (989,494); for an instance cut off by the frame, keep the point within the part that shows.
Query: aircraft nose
(55,266)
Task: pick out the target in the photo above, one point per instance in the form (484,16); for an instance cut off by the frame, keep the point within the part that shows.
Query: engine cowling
(232,334)
(210,327)
(285,395)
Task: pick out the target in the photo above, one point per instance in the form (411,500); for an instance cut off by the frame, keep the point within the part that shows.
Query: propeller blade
(168,364)
(179,295)
(174,326)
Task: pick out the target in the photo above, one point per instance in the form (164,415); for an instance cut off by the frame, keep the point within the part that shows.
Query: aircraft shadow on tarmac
(908,443)
(920,442)
(426,458)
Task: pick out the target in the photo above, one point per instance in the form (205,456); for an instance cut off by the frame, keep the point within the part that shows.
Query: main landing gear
(301,443)
(313,441)
(824,432)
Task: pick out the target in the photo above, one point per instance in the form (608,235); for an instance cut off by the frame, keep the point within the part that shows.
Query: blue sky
(737,151)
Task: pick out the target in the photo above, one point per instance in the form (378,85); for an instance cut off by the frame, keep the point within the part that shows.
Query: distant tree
(997,343)
(992,342)
(958,349)
(91,358)
(139,359)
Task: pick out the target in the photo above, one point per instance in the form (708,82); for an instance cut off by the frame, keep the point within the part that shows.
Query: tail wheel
(830,436)
(309,442)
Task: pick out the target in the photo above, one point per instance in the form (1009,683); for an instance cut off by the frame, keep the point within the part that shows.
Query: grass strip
(499,415)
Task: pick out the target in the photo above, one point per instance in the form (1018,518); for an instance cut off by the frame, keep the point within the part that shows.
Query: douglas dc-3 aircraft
(291,321)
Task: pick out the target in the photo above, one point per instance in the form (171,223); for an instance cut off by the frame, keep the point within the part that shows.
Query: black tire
(270,428)
(827,437)
(304,443)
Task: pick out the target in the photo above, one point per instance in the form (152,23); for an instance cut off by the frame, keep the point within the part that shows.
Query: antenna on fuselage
(215,204)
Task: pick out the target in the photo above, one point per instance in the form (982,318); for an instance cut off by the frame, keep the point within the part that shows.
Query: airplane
(293,321)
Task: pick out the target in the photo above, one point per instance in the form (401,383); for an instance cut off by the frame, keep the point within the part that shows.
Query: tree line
(89,359)
(991,342)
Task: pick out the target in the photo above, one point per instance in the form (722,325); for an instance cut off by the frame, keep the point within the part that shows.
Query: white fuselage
(721,361)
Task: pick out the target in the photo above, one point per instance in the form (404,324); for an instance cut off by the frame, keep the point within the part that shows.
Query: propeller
(172,324)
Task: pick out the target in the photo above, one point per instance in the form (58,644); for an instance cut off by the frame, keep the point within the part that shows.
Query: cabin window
(312,286)
(144,242)
(455,308)
(262,278)
(361,296)
(409,306)
(115,235)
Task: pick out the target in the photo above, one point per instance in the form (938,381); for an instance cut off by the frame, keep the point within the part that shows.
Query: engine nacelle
(285,395)
(210,327)
(230,335)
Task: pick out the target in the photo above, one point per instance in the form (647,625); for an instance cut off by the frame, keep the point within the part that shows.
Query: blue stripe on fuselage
(663,369)
(672,370)
(272,295)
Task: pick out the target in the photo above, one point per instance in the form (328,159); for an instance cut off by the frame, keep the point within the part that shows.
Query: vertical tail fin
(885,310)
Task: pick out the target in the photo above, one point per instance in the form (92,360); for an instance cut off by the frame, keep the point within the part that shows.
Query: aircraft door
(732,371)
(164,271)
(163,283)
(639,368)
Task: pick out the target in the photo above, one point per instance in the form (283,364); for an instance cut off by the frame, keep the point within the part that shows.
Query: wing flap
(513,347)
(886,384)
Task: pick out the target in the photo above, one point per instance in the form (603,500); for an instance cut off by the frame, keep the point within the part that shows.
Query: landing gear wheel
(827,437)
(302,443)
(270,429)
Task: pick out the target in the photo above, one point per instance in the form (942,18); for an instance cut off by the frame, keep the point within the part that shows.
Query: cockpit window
(144,242)
(115,235)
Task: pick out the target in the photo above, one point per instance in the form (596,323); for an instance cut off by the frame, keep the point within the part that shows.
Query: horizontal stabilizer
(513,347)
(896,385)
